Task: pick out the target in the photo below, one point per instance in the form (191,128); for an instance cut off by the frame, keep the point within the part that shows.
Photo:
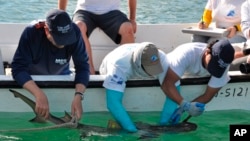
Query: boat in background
(140,95)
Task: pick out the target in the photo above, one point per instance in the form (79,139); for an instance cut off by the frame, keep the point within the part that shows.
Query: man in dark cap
(45,48)
(197,59)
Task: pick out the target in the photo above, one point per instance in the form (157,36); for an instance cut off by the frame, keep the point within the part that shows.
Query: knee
(126,29)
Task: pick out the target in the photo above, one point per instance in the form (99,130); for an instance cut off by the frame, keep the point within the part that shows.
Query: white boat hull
(235,95)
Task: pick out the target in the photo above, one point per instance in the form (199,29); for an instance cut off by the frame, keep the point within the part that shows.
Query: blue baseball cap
(222,56)
(61,27)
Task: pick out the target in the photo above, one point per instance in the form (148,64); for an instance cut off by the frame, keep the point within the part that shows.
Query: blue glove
(176,116)
(193,108)
(168,109)
(114,104)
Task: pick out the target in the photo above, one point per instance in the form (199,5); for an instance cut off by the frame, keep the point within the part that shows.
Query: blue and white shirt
(36,55)
(118,67)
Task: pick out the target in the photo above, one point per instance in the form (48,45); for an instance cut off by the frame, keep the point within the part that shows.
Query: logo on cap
(63,29)
(154,58)
(222,64)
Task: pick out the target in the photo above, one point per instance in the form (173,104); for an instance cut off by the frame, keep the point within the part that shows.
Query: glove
(193,108)
(168,109)
(114,104)
(176,116)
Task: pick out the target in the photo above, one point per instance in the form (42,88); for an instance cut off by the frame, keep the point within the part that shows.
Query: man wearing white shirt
(106,15)
(197,59)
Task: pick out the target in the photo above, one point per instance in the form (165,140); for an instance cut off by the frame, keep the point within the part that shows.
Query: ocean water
(148,11)
(212,126)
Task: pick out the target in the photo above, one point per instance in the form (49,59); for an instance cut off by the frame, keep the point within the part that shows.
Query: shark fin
(67,117)
(38,119)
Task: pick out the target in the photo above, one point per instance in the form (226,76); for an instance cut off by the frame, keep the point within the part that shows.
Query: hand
(167,111)
(76,107)
(202,25)
(134,24)
(232,31)
(193,108)
(176,116)
(42,105)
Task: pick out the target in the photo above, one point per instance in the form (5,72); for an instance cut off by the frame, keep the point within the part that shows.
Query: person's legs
(85,23)
(127,33)
(117,26)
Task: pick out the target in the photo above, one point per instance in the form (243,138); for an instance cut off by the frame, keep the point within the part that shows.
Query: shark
(145,130)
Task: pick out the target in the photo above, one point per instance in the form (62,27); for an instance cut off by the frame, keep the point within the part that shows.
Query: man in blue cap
(45,48)
(195,59)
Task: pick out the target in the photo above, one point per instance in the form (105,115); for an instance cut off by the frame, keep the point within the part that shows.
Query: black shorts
(109,22)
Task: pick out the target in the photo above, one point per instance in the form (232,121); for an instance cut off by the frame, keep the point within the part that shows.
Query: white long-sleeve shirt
(245,18)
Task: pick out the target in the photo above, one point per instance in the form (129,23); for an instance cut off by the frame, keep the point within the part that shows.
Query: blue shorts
(109,22)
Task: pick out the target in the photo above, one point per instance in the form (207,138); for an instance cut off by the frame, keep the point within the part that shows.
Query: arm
(76,106)
(170,90)
(114,104)
(80,59)
(179,61)
(62,4)
(132,9)
(241,53)
(168,86)
(42,104)
(20,72)
(206,19)
(116,75)
(245,19)
(132,12)
(208,95)
(232,30)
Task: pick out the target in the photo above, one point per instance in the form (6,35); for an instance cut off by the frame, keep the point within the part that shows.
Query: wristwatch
(81,94)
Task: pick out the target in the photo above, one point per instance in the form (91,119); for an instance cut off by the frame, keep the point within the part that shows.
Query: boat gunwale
(96,81)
